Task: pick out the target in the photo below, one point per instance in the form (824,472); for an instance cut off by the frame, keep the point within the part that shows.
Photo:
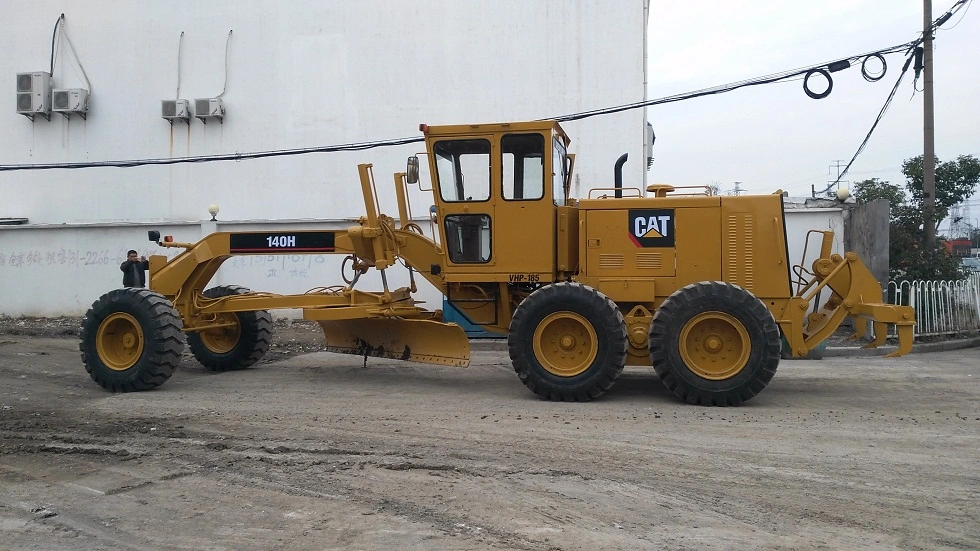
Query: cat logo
(652,227)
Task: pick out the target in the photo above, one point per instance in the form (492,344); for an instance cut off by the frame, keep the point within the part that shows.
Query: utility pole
(836,181)
(738,189)
(929,131)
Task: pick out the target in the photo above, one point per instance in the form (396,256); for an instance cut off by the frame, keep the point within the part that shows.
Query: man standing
(134,270)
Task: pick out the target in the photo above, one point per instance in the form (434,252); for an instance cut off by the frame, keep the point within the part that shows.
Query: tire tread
(160,323)
(595,381)
(678,378)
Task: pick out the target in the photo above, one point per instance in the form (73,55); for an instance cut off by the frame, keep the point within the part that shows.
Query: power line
(881,114)
(212,158)
(804,72)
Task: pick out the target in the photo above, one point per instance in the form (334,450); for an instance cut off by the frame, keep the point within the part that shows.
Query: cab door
(524,215)
(464,184)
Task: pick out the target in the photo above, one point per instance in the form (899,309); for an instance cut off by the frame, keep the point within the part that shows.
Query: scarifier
(698,286)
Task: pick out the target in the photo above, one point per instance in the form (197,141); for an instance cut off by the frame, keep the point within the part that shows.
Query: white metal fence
(941,307)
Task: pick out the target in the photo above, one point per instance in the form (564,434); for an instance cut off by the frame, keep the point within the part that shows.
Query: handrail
(614,190)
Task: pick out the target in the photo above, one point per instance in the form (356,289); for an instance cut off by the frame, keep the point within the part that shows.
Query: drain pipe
(618,170)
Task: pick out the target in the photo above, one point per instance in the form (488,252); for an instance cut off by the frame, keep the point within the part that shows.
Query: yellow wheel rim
(715,346)
(119,341)
(565,344)
(222,340)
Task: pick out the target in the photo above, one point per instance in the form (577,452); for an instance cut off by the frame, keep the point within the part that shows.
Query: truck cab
(497,189)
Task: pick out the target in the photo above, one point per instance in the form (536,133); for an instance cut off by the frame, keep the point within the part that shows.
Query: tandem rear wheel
(714,344)
(568,342)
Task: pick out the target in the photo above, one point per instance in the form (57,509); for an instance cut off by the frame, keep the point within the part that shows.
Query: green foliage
(955,181)
(869,190)
(908,257)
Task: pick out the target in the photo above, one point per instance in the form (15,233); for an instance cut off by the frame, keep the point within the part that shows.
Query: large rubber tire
(131,339)
(232,348)
(714,344)
(568,342)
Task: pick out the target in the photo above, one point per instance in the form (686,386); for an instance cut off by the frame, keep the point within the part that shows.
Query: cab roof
(523,126)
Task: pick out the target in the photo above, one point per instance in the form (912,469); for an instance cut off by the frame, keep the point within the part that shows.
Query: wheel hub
(222,340)
(565,344)
(119,341)
(715,345)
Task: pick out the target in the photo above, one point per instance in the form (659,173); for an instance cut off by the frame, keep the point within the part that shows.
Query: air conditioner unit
(68,101)
(175,110)
(209,108)
(34,94)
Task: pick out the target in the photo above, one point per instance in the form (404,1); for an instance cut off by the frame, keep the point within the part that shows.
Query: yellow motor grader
(699,286)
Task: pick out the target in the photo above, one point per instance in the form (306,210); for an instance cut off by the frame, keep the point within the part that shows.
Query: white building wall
(299,74)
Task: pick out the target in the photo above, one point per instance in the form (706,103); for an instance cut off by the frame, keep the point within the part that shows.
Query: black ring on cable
(812,94)
(864,71)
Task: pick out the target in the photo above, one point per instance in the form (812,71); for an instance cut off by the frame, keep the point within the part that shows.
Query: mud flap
(414,340)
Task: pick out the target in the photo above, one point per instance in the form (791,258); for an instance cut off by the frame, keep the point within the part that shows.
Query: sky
(775,137)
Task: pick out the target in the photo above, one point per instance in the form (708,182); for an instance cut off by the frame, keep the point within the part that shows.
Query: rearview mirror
(412,170)
(154,235)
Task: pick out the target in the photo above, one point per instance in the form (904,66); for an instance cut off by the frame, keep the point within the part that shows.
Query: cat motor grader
(698,286)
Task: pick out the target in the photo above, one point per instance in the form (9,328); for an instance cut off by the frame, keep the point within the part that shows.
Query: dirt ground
(310,450)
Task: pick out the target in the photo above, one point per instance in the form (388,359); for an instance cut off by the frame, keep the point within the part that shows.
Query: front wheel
(131,340)
(240,340)
(568,342)
(714,344)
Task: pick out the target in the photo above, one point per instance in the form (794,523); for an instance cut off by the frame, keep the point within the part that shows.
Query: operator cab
(496,189)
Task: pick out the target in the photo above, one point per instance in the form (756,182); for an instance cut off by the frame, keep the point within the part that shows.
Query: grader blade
(414,340)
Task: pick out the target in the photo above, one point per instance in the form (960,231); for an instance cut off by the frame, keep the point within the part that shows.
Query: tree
(955,181)
(908,257)
(875,188)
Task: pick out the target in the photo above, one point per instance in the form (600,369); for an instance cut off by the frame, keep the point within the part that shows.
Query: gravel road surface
(311,450)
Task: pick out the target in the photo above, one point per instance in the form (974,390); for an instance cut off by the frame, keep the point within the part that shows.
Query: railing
(941,307)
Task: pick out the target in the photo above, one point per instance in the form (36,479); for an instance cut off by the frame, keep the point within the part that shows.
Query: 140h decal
(652,227)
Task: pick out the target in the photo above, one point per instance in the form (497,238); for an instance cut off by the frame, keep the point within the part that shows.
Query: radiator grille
(611,261)
(740,258)
(649,261)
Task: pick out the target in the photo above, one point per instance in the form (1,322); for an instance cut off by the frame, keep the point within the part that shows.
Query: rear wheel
(241,339)
(714,343)
(131,340)
(568,342)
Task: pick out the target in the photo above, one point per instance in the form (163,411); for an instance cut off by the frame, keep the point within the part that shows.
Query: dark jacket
(134,273)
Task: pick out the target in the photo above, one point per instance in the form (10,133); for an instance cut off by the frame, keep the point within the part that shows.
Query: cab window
(523,166)
(463,168)
(559,173)
(468,238)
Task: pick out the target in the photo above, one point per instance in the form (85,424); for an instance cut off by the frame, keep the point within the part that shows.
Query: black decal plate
(282,242)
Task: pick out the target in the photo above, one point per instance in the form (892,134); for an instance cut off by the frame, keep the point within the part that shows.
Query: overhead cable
(823,68)
(881,114)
